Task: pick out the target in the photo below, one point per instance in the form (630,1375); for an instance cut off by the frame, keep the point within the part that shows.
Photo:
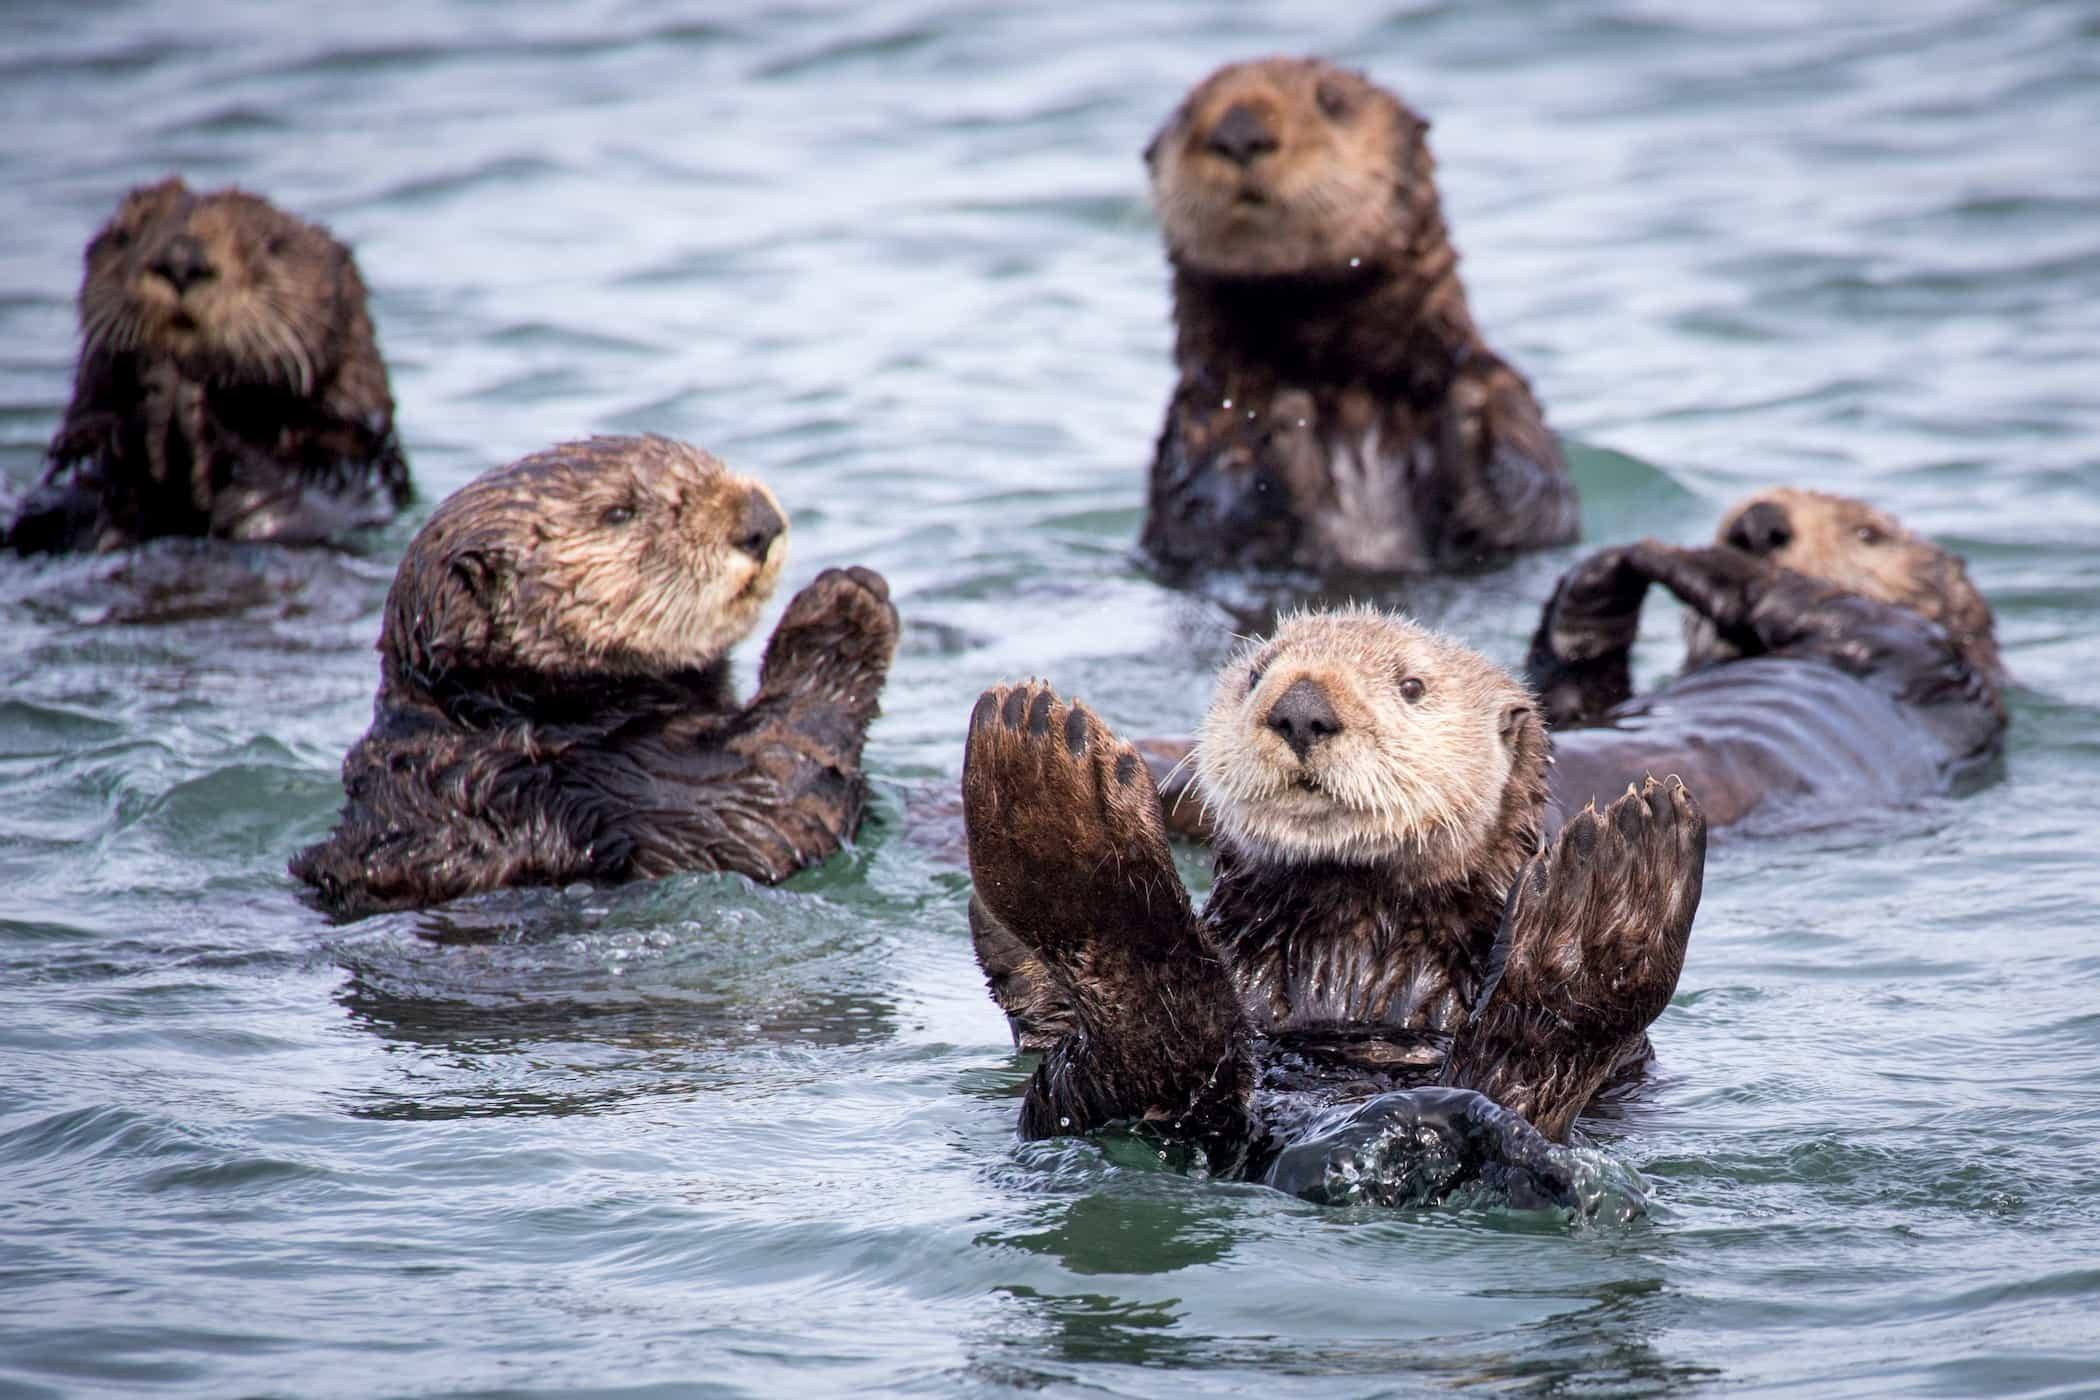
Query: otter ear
(1513,718)
(441,614)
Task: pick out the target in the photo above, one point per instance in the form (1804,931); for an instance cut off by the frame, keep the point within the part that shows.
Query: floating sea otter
(555,700)
(1382,915)
(1836,661)
(229,385)
(1337,407)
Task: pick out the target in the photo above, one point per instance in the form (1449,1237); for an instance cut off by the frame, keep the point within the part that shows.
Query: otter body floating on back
(229,385)
(1337,408)
(555,700)
(1836,660)
(1382,914)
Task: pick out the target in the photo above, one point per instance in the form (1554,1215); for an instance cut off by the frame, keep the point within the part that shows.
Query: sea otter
(1337,409)
(1835,660)
(555,701)
(228,385)
(1382,913)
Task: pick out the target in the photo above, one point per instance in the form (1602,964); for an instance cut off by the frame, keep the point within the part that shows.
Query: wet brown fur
(1362,959)
(1337,407)
(555,701)
(229,384)
(1836,661)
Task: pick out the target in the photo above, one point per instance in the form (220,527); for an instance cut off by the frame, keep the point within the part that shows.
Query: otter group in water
(1446,899)
(228,385)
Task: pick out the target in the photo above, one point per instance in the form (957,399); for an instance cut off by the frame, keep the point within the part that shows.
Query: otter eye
(1412,690)
(1254,680)
(1869,534)
(1333,101)
(616,515)
(119,239)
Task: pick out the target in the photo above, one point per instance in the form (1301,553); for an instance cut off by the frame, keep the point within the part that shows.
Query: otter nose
(1241,135)
(1761,529)
(757,526)
(183,263)
(1304,717)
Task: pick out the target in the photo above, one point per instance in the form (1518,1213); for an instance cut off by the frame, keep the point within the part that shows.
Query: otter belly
(1790,742)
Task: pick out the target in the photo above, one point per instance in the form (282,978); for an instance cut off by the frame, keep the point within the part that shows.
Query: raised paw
(1066,842)
(838,634)
(1592,941)
(1580,657)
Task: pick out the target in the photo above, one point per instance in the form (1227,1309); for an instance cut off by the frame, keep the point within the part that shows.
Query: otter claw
(1015,707)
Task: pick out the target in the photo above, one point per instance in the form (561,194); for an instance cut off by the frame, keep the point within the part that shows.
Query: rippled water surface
(896,258)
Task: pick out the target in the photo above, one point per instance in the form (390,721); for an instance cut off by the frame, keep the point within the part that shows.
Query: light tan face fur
(1347,168)
(1851,544)
(1407,774)
(629,556)
(231,288)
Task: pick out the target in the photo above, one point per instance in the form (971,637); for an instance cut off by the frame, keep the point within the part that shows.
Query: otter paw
(1595,928)
(841,631)
(1066,842)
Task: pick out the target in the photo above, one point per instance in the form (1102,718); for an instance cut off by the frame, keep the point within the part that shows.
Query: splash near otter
(229,385)
(1337,409)
(555,702)
(1383,915)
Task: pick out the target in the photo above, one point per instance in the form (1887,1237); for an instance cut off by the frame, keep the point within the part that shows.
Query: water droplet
(1301,422)
(1226,404)
(1064,1122)
(1356,262)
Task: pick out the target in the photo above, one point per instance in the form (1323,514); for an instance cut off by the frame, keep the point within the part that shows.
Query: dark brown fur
(546,714)
(229,385)
(1337,407)
(1199,1029)
(1799,689)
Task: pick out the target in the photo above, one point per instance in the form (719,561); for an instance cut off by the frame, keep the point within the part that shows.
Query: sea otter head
(226,286)
(1866,551)
(618,557)
(1360,737)
(1291,168)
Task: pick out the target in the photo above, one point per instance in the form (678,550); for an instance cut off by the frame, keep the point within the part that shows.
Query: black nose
(1241,135)
(183,262)
(1761,529)
(758,526)
(1303,717)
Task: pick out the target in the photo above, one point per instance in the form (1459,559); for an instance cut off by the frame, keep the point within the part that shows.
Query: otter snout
(1241,136)
(1762,529)
(1304,717)
(184,263)
(758,525)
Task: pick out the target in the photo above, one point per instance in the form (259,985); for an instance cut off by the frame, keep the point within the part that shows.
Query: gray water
(896,258)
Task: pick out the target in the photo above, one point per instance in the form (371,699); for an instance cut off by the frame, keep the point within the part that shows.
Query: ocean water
(699,1137)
